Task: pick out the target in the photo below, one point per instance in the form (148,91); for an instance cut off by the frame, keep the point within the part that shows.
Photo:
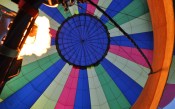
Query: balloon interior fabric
(83,40)
(90,63)
(168,97)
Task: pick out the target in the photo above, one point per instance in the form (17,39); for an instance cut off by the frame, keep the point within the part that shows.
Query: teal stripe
(132,11)
(28,73)
(66,14)
(114,96)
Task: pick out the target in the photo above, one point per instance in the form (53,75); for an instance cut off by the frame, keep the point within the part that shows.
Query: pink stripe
(90,8)
(168,95)
(67,97)
(53,32)
(132,54)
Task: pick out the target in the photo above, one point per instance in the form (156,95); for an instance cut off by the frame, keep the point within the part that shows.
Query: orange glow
(39,44)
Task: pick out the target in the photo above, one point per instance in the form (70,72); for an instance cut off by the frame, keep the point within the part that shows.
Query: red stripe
(168,95)
(67,97)
(90,8)
(132,54)
(53,32)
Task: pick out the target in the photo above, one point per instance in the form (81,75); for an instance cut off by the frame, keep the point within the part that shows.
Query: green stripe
(132,11)
(114,96)
(28,73)
(171,78)
(66,14)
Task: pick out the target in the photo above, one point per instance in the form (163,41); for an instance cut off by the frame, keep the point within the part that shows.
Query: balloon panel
(168,98)
(49,82)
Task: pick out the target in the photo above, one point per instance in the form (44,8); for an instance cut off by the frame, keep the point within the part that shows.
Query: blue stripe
(144,40)
(54,13)
(114,8)
(130,89)
(82,100)
(82,7)
(28,95)
(53,41)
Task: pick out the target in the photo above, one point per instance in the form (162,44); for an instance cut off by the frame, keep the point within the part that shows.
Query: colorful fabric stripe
(53,36)
(104,4)
(168,95)
(141,24)
(66,14)
(91,8)
(171,77)
(29,59)
(115,98)
(53,32)
(132,54)
(67,97)
(97,95)
(25,100)
(27,74)
(82,7)
(114,8)
(170,105)
(143,40)
(54,13)
(47,82)
(82,99)
(130,89)
(133,10)
(135,71)
(74,9)
(50,96)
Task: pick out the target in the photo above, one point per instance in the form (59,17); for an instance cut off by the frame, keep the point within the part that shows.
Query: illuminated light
(38,44)
(51,3)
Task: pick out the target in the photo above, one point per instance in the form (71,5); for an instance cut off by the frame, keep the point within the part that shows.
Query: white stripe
(54,24)
(133,70)
(73,9)
(171,78)
(9,4)
(98,99)
(104,4)
(137,25)
(32,58)
(51,95)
